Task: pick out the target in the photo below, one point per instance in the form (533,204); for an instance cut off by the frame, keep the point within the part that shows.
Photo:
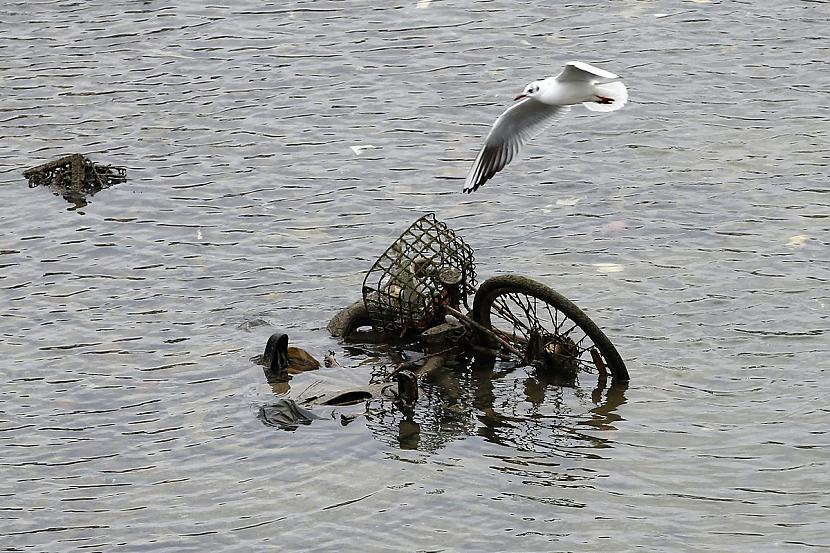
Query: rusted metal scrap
(75,177)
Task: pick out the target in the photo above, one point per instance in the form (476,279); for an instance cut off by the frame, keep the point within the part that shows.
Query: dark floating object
(417,293)
(280,361)
(427,266)
(75,177)
(350,397)
(299,360)
(275,358)
(285,414)
(407,387)
(349,319)
(416,296)
(330,360)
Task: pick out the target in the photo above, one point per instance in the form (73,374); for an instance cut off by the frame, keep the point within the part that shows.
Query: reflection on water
(521,408)
(509,405)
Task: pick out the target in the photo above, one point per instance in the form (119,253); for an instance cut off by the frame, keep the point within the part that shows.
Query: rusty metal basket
(403,289)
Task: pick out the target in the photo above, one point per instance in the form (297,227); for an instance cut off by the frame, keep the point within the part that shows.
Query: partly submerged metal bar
(45,173)
(480,327)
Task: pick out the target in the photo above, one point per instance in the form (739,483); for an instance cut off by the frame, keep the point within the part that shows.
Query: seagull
(540,103)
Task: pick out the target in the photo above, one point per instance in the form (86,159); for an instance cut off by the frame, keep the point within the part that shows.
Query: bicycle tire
(497,294)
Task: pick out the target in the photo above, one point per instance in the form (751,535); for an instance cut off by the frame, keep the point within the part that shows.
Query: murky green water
(275,149)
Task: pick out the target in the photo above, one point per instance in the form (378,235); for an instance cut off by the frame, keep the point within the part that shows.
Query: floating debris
(798,241)
(359,149)
(330,360)
(75,177)
(299,360)
(415,297)
(285,414)
(280,360)
(609,267)
(405,287)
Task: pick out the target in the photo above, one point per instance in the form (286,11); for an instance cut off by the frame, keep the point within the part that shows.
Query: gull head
(530,91)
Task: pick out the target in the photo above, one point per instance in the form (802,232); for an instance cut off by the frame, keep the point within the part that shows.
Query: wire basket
(403,290)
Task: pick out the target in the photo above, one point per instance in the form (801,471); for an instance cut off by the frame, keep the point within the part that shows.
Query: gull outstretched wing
(581,71)
(521,122)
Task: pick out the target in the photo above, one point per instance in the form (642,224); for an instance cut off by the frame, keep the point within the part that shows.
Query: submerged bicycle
(420,288)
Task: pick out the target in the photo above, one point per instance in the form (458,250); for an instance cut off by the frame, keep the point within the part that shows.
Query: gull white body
(541,102)
(568,93)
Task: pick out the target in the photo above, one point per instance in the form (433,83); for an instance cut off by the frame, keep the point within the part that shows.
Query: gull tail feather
(615,91)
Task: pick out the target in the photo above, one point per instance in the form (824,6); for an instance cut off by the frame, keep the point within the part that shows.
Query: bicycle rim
(547,327)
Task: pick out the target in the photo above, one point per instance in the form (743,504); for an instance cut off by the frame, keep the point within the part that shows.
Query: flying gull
(540,103)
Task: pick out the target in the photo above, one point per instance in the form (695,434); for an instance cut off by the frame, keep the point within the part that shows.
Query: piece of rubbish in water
(75,177)
(299,360)
(281,361)
(423,4)
(349,319)
(361,148)
(556,39)
(599,363)
(608,267)
(251,324)
(562,202)
(285,414)
(330,360)
(798,241)
(350,397)
(407,387)
(275,358)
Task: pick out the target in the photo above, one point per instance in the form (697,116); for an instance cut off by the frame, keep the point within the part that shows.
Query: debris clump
(75,177)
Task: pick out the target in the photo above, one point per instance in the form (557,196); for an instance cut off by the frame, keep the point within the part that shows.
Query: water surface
(274,150)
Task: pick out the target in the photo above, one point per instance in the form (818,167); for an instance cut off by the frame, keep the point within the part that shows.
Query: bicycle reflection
(522,407)
(512,406)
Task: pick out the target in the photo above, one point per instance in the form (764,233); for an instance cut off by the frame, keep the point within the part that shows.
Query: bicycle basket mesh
(402,288)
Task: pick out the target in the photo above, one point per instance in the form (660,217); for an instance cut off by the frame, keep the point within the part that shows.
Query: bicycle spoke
(565,334)
(547,328)
(526,316)
(553,318)
(506,313)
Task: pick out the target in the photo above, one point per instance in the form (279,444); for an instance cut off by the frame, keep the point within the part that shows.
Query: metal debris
(75,177)
(404,287)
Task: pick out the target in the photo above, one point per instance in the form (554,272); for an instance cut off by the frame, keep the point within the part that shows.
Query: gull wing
(518,124)
(581,71)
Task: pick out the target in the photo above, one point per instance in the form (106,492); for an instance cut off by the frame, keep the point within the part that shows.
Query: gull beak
(519,97)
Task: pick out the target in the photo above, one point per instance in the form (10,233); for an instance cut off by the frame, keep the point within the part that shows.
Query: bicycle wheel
(546,327)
